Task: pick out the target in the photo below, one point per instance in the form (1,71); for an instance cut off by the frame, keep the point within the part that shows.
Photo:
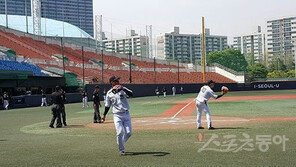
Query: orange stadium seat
(30,48)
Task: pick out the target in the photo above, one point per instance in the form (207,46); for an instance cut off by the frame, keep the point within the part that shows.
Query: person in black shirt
(63,108)
(57,104)
(164,91)
(104,94)
(97,105)
(43,100)
(85,99)
(157,92)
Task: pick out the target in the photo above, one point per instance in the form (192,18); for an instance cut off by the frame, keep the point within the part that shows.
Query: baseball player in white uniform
(204,95)
(117,97)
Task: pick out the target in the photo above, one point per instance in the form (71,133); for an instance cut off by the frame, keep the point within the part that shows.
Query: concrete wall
(236,78)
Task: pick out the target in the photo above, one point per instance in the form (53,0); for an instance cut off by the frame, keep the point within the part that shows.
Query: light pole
(26,13)
(295,57)
(6,14)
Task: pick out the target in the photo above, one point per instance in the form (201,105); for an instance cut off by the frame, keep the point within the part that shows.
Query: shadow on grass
(74,126)
(2,140)
(147,153)
(223,128)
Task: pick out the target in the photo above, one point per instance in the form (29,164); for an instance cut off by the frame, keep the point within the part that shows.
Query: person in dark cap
(63,111)
(117,98)
(56,108)
(97,105)
(204,95)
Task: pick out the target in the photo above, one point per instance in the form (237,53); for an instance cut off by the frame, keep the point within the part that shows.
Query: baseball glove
(224,89)
(117,88)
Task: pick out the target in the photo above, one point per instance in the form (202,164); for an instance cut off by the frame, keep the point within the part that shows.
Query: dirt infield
(187,109)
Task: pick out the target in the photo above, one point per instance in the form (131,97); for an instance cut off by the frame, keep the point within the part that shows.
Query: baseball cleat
(211,128)
(200,127)
(51,126)
(122,153)
(95,122)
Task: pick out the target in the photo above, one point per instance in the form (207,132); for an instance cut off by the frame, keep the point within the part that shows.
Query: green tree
(277,74)
(250,59)
(291,74)
(229,58)
(277,64)
(290,64)
(257,71)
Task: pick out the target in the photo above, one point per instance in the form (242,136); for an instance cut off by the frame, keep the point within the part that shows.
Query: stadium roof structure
(49,27)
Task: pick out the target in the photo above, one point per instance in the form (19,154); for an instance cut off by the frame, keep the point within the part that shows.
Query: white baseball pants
(43,102)
(123,125)
(202,106)
(6,104)
(85,102)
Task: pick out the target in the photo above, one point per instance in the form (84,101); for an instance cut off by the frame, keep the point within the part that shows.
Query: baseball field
(252,129)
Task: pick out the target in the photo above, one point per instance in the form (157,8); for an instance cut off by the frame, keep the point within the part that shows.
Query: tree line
(278,66)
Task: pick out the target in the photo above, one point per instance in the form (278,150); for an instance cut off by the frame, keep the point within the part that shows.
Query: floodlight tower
(99,30)
(149,41)
(36,13)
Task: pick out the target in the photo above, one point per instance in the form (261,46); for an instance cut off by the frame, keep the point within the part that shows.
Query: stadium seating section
(16,66)
(30,48)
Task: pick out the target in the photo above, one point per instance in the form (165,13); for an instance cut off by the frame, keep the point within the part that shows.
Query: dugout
(16,83)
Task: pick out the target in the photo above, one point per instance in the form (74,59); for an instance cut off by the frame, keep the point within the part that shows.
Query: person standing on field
(97,105)
(63,111)
(204,95)
(181,90)
(5,101)
(157,91)
(56,108)
(174,90)
(43,100)
(85,99)
(117,97)
(164,92)
(104,94)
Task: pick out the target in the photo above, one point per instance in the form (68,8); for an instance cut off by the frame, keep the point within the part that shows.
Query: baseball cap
(58,88)
(211,81)
(97,86)
(113,78)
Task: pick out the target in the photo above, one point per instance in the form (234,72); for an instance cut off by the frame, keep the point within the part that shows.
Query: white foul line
(182,109)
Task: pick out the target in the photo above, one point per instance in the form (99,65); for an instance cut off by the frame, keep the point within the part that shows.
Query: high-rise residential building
(133,43)
(76,12)
(16,7)
(187,47)
(253,44)
(281,33)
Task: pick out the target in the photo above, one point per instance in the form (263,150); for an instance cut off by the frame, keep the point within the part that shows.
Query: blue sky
(224,17)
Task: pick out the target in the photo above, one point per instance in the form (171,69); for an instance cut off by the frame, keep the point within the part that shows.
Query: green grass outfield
(26,140)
